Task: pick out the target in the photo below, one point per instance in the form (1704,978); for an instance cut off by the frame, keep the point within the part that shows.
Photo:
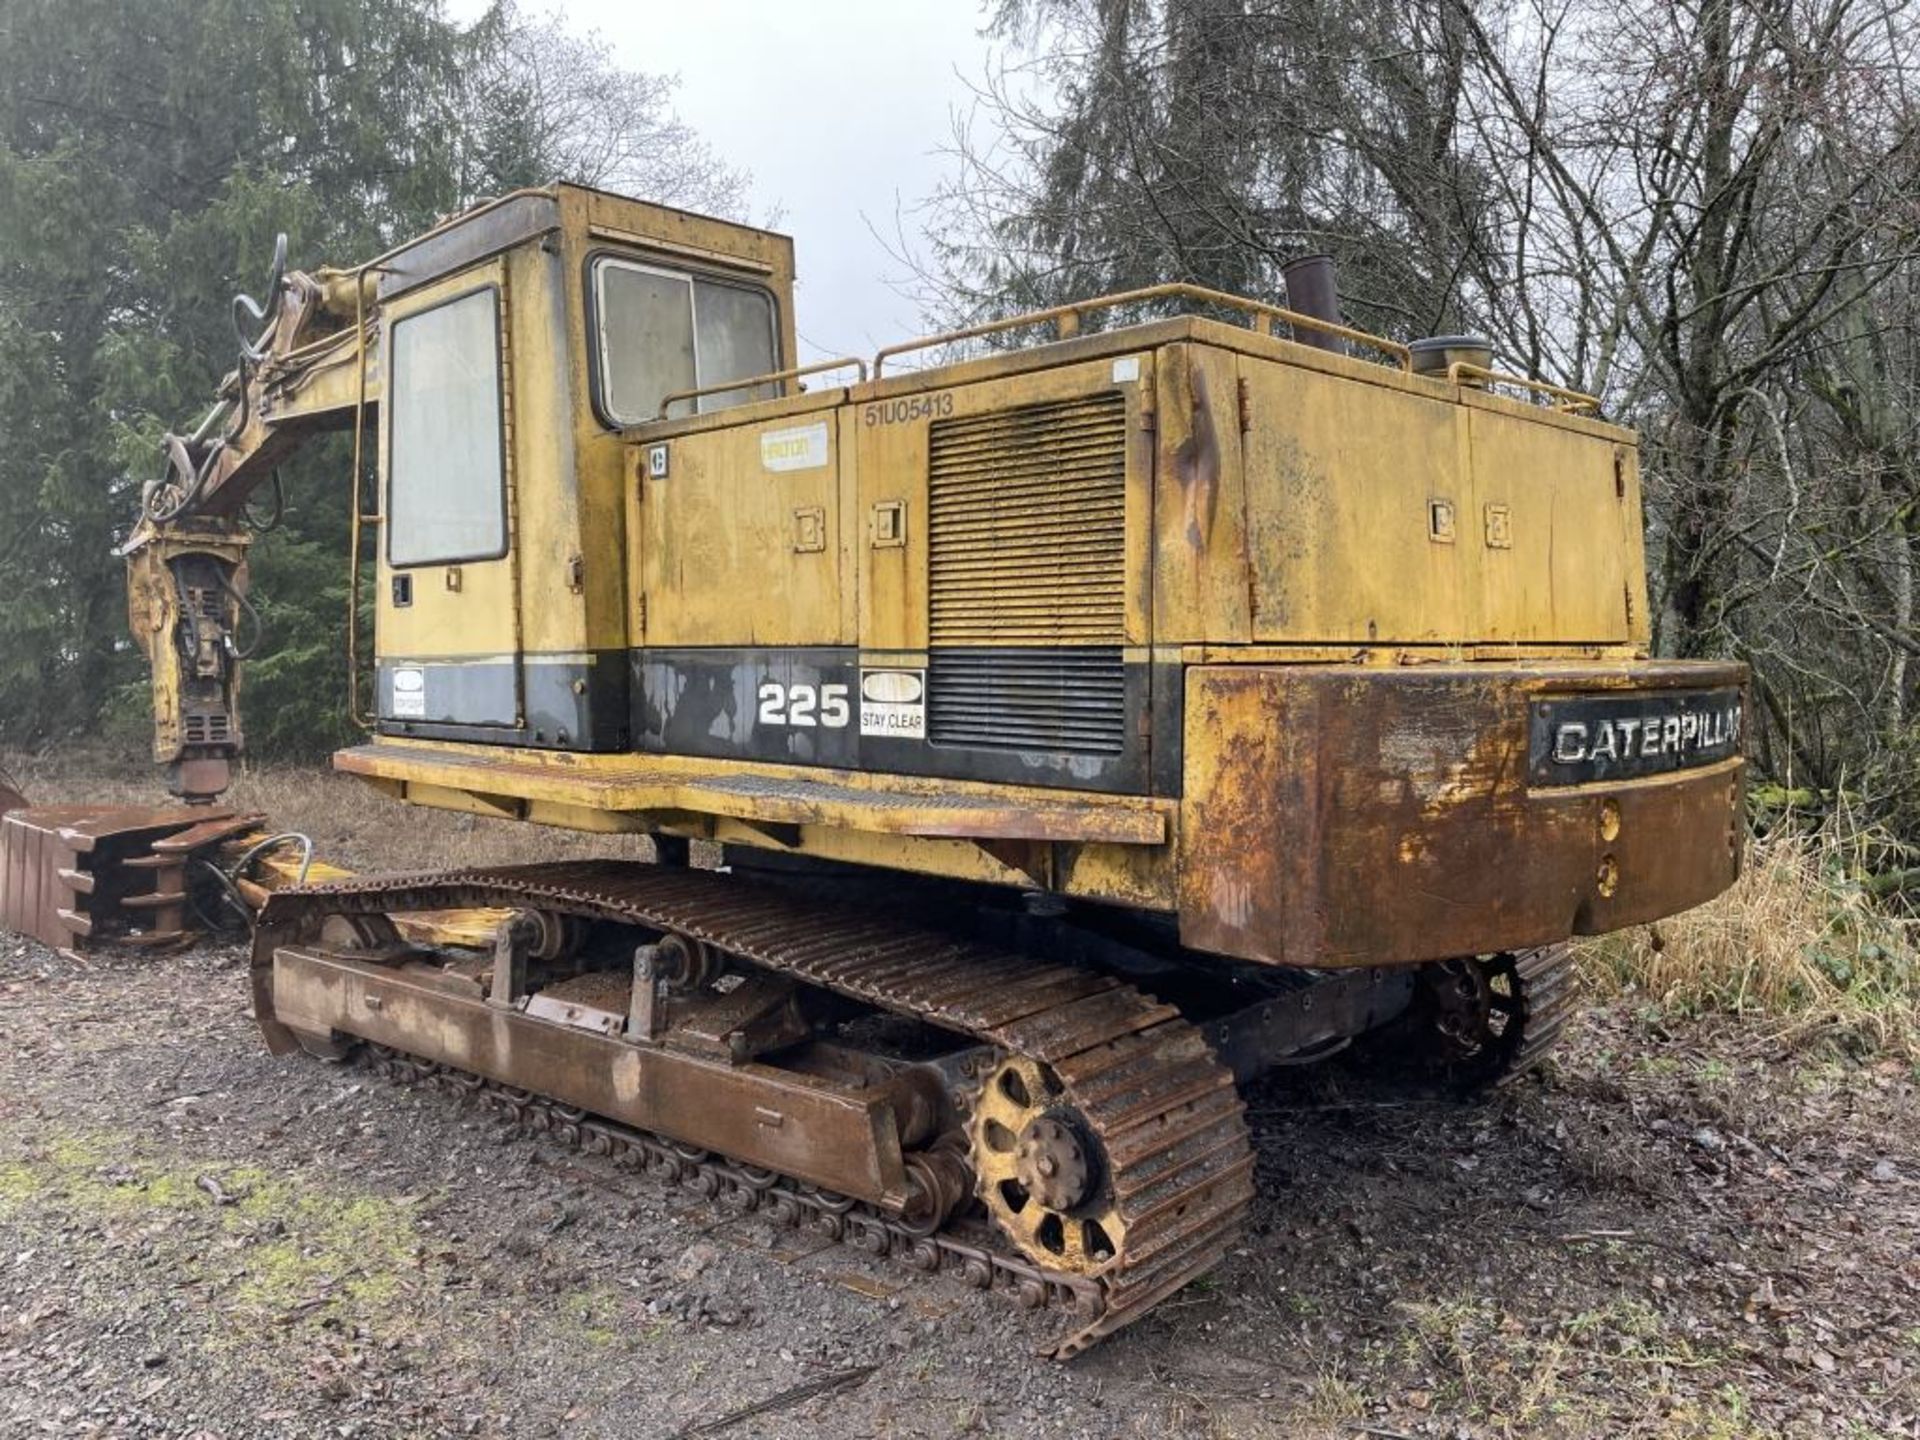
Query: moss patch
(266,1248)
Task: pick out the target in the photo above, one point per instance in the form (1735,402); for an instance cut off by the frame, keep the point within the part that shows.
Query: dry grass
(1799,938)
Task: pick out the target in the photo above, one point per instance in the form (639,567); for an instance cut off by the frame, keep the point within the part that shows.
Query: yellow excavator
(1037,745)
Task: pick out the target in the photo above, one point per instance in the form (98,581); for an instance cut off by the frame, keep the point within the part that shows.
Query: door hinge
(576,574)
(640,613)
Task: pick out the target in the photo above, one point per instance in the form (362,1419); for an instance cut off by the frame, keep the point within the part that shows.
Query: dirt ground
(1681,1229)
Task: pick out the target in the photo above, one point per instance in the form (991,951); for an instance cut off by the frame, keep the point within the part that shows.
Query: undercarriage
(1069,1130)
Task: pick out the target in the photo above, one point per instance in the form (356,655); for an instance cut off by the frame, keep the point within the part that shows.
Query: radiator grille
(1047,700)
(1026,581)
(1027,525)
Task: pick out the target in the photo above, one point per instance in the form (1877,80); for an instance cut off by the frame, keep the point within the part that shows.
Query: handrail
(357,520)
(1570,400)
(1263,313)
(720,387)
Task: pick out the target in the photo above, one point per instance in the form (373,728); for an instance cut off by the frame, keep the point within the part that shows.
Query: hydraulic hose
(272,842)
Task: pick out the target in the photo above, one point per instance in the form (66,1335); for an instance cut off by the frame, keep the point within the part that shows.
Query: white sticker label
(894,702)
(409,692)
(1126,368)
(802,448)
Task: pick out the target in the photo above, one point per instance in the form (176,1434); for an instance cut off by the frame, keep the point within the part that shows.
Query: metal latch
(889,523)
(1499,527)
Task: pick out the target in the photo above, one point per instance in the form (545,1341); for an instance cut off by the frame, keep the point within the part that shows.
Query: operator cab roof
(581,214)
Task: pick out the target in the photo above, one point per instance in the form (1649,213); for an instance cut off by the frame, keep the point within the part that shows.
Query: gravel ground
(1675,1232)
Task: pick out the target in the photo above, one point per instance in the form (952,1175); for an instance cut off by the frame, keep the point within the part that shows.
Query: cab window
(446,493)
(662,331)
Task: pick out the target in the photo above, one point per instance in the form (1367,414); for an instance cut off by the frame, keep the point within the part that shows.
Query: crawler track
(1171,1127)
(1549,996)
(965,1250)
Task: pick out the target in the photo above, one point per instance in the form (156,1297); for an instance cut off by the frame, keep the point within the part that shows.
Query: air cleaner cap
(1436,354)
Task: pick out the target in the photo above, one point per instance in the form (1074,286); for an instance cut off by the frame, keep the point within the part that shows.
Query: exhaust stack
(1312,289)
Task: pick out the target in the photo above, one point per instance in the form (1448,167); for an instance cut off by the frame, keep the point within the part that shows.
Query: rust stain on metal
(1197,462)
(1362,832)
(97,875)
(692,1098)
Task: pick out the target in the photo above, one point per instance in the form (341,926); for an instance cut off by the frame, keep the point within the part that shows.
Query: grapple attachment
(77,876)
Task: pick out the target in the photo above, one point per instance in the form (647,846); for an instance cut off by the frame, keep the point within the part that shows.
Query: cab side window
(663,331)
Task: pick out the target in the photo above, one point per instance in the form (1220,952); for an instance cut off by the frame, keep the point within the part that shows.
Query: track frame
(811,1128)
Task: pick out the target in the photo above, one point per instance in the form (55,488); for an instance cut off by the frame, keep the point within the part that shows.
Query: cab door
(447,626)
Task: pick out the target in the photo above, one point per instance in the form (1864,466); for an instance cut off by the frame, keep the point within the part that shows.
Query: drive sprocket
(1042,1174)
(1493,1019)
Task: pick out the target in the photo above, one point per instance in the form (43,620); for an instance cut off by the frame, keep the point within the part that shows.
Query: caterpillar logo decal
(1619,737)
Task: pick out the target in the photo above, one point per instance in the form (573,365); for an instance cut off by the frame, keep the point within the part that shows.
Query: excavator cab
(518,345)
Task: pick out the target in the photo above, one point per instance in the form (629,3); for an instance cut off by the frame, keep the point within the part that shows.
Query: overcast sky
(839,108)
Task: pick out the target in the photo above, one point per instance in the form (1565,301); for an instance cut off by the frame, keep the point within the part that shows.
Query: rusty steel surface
(1494,1020)
(813,1131)
(1339,816)
(1140,1081)
(1039,1171)
(32,893)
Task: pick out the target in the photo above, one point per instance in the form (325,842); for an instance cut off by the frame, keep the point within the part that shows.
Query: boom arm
(308,372)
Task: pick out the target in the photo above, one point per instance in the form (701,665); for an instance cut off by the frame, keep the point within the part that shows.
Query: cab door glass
(646,338)
(446,493)
(735,340)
